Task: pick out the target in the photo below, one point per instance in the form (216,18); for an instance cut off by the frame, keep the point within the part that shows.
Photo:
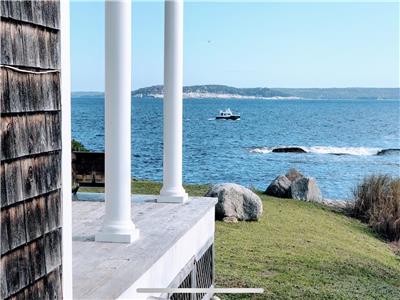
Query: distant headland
(228,92)
(216,91)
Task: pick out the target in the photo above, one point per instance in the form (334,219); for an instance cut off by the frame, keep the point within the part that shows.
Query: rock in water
(293,175)
(388,152)
(306,189)
(236,201)
(279,187)
(289,150)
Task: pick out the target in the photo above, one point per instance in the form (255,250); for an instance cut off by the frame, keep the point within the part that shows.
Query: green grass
(152,188)
(300,250)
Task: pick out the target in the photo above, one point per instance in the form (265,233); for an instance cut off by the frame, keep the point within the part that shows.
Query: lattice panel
(201,276)
(204,271)
(186,283)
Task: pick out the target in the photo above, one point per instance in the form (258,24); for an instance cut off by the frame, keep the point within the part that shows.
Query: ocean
(341,138)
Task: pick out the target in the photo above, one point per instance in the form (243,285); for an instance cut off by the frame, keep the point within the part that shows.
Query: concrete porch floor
(170,236)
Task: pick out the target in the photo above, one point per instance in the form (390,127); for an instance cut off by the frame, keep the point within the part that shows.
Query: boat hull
(228,118)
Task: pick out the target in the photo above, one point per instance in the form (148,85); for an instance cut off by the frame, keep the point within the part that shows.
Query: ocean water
(341,137)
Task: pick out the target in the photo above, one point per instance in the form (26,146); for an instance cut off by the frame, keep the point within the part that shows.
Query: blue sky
(251,44)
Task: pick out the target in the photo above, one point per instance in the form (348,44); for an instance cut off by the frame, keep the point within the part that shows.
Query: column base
(173,198)
(116,234)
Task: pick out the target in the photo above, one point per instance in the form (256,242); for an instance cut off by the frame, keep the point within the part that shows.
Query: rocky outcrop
(289,150)
(294,185)
(306,189)
(235,202)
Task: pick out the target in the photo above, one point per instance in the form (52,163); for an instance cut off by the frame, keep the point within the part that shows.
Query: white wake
(321,150)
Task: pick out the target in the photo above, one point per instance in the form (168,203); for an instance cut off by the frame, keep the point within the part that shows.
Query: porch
(121,243)
(100,249)
(175,243)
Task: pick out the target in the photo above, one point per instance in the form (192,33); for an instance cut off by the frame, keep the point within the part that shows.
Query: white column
(172,190)
(118,226)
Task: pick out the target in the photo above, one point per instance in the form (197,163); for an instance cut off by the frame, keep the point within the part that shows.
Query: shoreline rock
(306,189)
(280,187)
(235,202)
(294,185)
(339,204)
(293,175)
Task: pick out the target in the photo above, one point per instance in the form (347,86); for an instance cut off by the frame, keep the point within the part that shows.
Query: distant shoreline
(77,95)
(228,92)
(220,96)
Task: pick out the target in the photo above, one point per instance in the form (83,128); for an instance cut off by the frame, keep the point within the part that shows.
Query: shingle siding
(30,150)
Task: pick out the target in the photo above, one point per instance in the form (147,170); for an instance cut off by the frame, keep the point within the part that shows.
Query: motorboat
(227,115)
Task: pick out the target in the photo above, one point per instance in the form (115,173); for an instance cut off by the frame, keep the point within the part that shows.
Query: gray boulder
(279,187)
(230,220)
(235,201)
(293,175)
(306,189)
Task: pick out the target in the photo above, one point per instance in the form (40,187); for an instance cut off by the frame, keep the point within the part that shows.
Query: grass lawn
(299,250)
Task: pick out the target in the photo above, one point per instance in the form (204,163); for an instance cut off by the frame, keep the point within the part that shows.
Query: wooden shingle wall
(30,150)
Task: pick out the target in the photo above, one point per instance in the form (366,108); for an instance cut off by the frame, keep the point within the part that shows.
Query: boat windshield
(225,113)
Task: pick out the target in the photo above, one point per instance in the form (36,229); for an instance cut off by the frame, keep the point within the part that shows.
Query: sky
(259,44)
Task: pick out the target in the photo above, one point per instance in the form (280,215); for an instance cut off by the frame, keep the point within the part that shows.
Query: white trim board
(66,152)
(163,272)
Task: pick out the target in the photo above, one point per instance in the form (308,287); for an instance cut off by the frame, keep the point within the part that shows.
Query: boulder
(306,189)
(289,150)
(279,187)
(235,201)
(293,175)
(230,220)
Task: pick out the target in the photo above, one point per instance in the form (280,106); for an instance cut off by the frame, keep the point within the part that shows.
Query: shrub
(78,146)
(377,202)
